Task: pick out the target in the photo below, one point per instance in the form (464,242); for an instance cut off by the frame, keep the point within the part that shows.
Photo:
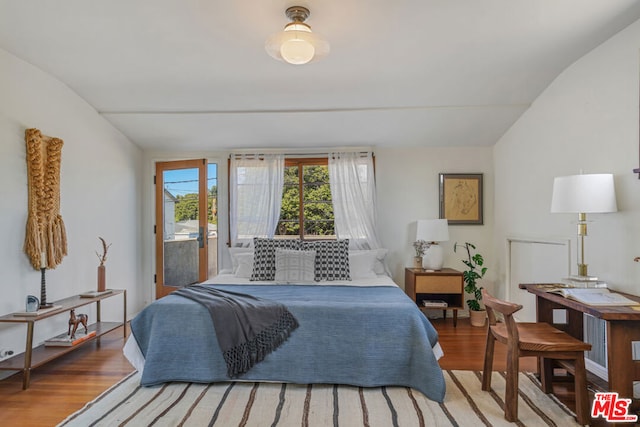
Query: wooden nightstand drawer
(445,285)
(439,284)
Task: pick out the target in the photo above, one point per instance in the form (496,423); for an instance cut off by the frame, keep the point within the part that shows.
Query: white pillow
(380,254)
(235,252)
(361,264)
(245,265)
(295,266)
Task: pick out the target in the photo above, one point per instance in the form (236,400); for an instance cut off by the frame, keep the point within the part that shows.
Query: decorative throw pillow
(235,254)
(332,259)
(245,265)
(264,258)
(362,264)
(295,266)
(378,265)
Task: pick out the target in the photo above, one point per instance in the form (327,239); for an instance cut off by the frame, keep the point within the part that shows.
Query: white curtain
(255,196)
(353,191)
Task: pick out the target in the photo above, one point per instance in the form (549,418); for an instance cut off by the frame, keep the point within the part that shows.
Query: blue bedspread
(362,336)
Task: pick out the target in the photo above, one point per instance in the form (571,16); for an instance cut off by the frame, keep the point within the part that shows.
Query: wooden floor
(63,386)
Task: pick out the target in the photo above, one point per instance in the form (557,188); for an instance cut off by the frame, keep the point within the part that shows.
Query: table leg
(26,372)
(574,326)
(98,319)
(124,314)
(621,366)
(455,317)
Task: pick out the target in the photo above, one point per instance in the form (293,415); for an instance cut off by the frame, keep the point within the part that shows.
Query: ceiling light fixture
(296,44)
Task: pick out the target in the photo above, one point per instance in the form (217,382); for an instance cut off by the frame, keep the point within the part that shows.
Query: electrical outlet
(635,350)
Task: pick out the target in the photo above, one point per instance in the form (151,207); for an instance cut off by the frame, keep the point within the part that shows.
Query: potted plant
(475,271)
(420,247)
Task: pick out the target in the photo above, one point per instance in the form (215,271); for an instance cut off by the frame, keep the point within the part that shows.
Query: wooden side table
(37,356)
(446,285)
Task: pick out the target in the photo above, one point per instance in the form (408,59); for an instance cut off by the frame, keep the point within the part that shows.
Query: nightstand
(446,285)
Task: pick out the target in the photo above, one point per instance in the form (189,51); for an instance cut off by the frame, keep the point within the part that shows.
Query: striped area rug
(272,404)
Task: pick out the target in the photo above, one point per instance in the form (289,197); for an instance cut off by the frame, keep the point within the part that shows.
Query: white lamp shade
(297,45)
(433,230)
(591,193)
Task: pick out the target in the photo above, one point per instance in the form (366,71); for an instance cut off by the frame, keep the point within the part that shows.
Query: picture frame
(461,198)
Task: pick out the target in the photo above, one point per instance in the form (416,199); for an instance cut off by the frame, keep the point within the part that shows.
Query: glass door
(183,229)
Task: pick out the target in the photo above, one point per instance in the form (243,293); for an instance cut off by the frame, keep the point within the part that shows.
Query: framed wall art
(461,198)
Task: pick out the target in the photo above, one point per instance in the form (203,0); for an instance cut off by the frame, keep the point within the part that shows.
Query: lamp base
(582,269)
(433,258)
(580,278)
(584,282)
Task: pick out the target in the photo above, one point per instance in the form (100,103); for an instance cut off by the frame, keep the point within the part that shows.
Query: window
(271,195)
(307,209)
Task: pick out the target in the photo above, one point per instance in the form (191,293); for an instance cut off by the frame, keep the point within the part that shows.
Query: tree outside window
(307,209)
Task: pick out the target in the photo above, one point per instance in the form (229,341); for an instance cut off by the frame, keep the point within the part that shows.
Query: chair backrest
(493,305)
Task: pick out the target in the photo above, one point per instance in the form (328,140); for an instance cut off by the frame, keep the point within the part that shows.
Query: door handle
(201,238)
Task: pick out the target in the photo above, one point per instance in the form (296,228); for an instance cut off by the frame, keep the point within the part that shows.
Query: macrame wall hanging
(46,240)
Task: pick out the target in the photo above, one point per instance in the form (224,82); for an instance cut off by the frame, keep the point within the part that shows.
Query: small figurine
(75,321)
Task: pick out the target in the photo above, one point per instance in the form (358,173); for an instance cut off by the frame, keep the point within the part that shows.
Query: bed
(361,332)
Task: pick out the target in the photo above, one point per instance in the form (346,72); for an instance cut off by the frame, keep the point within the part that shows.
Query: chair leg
(488,361)
(546,376)
(582,395)
(511,393)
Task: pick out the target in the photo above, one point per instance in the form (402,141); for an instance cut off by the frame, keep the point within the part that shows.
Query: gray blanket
(248,328)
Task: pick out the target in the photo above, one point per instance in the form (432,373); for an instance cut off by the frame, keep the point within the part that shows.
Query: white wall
(100,196)
(587,119)
(408,190)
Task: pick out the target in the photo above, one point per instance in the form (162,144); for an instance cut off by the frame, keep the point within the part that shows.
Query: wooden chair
(533,339)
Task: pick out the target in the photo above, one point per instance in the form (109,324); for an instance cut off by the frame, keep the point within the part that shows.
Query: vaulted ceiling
(194,75)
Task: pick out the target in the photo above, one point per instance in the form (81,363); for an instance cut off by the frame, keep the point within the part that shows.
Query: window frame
(300,162)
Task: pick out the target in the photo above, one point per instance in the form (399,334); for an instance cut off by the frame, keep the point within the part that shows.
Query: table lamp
(433,231)
(583,194)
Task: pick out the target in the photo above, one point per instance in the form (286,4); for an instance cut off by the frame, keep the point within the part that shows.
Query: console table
(34,357)
(623,328)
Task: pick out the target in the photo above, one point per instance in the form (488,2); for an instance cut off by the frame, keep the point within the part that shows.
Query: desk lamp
(583,194)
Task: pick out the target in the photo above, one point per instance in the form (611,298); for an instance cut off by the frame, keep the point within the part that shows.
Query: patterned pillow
(264,258)
(295,266)
(332,259)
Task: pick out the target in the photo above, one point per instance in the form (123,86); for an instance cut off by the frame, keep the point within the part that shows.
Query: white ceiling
(194,75)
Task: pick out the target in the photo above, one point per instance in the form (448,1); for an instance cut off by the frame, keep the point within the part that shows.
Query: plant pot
(102,279)
(478,318)
(417,262)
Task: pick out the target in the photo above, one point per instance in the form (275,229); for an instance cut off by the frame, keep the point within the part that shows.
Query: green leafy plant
(474,272)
